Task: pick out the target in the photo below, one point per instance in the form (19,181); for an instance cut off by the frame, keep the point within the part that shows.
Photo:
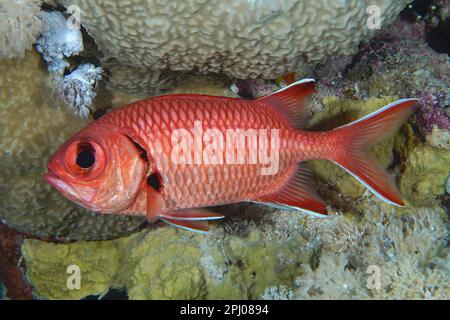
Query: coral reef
(286,256)
(235,261)
(396,62)
(241,39)
(425,175)
(273,254)
(32,129)
(365,250)
(142,82)
(384,256)
(20,25)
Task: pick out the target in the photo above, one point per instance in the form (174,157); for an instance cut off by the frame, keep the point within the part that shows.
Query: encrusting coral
(397,61)
(32,128)
(20,26)
(242,259)
(241,39)
(384,256)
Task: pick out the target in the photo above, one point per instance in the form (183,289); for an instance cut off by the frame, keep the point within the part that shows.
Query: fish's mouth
(59,185)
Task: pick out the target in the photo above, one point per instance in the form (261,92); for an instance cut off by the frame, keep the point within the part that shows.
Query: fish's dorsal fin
(298,193)
(291,101)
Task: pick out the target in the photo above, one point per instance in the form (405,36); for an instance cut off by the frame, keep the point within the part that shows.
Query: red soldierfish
(167,157)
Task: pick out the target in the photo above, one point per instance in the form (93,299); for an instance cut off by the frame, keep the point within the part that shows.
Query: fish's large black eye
(86,158)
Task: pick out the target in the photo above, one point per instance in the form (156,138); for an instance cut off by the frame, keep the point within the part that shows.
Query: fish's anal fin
(298,193)
(189,225)
(291,101)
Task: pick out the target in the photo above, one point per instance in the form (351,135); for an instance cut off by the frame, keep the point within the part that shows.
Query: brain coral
(31,130)
(241,39)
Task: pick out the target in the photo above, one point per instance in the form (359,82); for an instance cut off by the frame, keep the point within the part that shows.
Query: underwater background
(55,79)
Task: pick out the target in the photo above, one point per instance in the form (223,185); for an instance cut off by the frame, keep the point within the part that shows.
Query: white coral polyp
(77,88)
(58,41)
(20,25)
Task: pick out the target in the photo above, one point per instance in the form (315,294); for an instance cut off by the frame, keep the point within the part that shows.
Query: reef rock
(32,128)
(244,259)
(241,39)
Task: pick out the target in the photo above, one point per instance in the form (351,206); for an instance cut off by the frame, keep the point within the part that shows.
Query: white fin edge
(393,104)
(307,80)
(368,187)
(184,228)
(286,207)
(162,216)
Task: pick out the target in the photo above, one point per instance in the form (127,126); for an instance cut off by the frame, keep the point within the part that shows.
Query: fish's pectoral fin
(154,204)
(189,225)
(291,101)
(298,193)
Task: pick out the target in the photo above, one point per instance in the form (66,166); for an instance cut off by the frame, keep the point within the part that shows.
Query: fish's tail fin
(356,138)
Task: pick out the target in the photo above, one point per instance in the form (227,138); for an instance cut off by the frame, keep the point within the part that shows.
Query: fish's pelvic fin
(191,215)
(358,136)
(291,101)
(298,193)
(190,219)
(195,226)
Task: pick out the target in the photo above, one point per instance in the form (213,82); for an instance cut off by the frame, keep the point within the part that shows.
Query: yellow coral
(426,172)
(167,263)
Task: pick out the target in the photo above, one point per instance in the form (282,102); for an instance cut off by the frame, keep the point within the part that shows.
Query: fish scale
(233,113)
